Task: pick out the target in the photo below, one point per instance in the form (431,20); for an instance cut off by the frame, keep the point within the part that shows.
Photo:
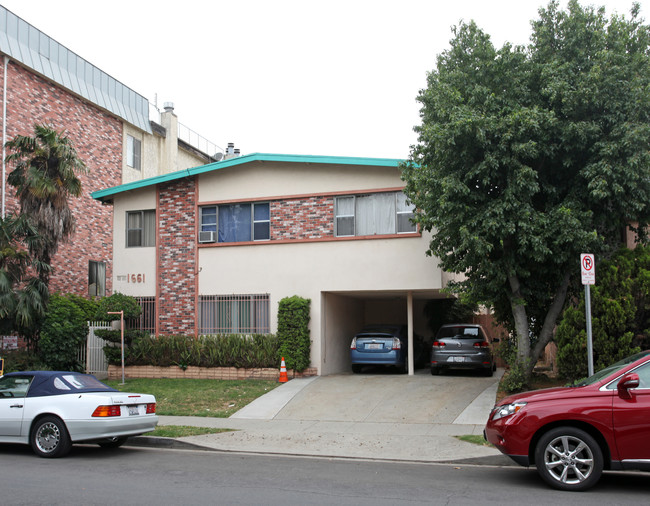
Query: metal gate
(91,353)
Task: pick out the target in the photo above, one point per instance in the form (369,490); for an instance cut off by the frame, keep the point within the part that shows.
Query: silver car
(462,346)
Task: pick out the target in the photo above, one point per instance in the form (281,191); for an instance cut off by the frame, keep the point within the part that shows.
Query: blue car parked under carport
(384,345)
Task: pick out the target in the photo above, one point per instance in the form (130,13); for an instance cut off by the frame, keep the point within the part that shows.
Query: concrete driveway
(370,415)
(383,397)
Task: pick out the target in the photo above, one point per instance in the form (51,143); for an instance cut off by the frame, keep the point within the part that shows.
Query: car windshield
(603,373)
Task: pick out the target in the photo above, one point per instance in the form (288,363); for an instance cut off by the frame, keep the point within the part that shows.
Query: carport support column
(409,320)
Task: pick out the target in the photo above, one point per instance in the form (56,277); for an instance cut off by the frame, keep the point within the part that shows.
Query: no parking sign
(588,268)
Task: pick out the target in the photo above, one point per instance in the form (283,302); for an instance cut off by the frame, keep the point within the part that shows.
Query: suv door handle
(16,406)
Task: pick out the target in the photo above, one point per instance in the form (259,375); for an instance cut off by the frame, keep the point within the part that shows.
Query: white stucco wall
(133,261)
(270,179)
(309,269)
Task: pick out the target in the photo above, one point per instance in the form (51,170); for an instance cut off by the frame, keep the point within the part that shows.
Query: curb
(175,444)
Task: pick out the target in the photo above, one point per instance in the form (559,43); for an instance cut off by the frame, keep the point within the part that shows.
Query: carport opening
(345,314)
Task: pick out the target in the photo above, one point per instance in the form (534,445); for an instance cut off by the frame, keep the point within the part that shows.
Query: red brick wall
(176,252)
(306,218)
(97,137)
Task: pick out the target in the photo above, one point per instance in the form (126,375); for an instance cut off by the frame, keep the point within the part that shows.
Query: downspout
(4,133)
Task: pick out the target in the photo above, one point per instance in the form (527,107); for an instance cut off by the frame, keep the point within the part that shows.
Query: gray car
(462,346)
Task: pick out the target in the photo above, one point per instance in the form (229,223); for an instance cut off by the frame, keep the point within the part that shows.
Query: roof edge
(107,194)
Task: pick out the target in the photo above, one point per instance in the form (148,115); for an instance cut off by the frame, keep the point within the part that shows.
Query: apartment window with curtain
(133,152)
(234,314)
(140,228)
(373,214)
(237,222)
(96,279)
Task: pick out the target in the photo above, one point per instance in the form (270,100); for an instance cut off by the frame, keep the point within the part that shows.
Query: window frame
(94,274)
(214,227)
(142,229)
(229,314)
(398,213)
(133,152)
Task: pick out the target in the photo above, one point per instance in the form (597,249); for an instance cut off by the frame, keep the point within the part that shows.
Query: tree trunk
(546,334)
(521,321)
(527,357)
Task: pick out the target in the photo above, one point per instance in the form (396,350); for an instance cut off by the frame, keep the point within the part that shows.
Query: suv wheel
(568,458)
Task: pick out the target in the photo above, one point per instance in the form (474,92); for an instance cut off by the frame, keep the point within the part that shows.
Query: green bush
(231,350)
(619,315)
(22,360)
(293,332)
(115,303)
(88,307)
(64,330)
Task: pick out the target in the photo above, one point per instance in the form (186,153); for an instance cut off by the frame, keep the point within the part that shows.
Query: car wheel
(488,372)
(356,368)
(568,458)
(49,437)
(113,442)
(435,371)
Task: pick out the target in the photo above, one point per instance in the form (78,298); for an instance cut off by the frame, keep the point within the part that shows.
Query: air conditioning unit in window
(209,236)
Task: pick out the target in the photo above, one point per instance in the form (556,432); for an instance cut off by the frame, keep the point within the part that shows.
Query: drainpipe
(409,318)
(4,133)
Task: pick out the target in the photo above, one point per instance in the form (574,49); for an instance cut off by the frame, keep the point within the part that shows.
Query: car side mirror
(627,383)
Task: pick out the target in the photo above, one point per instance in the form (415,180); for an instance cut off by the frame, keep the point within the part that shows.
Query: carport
(345,313)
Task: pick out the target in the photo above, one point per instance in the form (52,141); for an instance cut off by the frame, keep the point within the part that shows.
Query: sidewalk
(317,417)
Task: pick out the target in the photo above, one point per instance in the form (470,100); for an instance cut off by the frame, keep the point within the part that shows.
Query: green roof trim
(108,193)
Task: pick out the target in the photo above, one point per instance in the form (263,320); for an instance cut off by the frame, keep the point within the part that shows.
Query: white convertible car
(51,410)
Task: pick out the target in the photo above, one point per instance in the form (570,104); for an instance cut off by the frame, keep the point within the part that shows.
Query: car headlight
(507,410)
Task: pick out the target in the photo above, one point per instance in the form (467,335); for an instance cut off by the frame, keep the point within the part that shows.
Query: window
(96,279)
(133,151)
(140,228)
(237,222)
(373,214)
(234,314)
(146,322)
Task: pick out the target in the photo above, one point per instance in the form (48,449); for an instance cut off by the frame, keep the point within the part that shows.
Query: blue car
(383,345)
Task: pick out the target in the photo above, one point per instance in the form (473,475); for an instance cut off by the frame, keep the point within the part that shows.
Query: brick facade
(305,218)
(97,137)
(176,252)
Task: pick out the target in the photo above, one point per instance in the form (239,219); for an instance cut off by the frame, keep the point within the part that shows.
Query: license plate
(133,410)
(456,359)
(374,346)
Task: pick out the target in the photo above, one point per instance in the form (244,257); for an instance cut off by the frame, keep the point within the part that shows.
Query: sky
(337,78)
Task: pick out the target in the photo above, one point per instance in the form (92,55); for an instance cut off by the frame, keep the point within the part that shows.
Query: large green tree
(528,156)
(45,176)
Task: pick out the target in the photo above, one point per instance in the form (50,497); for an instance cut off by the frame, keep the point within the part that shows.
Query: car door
(631,417)
(12,403)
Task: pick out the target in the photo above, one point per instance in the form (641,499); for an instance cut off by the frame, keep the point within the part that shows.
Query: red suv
(572,433)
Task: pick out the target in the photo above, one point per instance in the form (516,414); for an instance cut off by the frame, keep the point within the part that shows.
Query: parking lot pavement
(373,416)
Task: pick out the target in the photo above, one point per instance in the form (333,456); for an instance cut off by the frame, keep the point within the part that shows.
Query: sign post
(588,269)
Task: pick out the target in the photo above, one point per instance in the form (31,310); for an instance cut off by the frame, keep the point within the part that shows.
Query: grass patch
(175,431)
(197,397)
(471,438)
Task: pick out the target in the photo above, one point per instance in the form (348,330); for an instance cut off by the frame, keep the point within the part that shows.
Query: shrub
(88,307)
(62,333)
(22,360)
(620,316)
(115,303)
(293,332)
(231,350)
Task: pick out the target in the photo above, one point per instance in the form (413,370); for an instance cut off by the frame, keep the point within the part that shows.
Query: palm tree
(45,176)
(23,297)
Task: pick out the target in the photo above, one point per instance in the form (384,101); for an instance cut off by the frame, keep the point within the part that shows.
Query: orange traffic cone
(283,372)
